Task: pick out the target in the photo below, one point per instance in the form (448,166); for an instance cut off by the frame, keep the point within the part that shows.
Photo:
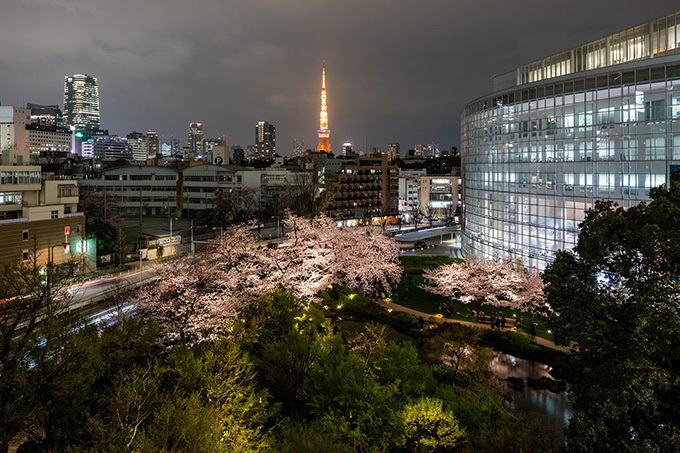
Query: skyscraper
(393,152)
(170,147)
(324,132)
(347,150)
(195,138)
(298,147)
(238,154)
(151,140)
(81,104)
(265,140)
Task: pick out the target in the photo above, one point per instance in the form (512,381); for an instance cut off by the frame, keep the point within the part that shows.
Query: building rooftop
(655,38)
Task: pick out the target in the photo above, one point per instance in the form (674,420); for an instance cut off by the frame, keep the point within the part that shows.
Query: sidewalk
(428,317)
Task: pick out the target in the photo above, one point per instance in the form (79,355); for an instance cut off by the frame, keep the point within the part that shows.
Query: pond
(552,409)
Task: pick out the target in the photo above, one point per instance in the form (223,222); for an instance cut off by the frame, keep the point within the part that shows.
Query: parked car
(419,245)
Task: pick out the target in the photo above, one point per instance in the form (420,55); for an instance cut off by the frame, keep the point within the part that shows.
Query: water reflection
(551,408)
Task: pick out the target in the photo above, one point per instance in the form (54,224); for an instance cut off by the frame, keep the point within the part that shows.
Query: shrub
(406,320)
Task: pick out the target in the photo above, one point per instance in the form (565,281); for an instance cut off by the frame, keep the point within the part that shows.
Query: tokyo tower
(324,132)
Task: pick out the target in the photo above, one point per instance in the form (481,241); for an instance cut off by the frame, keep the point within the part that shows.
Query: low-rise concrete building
(38,214)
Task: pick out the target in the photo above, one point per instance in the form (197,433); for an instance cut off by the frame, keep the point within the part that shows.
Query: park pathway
(429,318)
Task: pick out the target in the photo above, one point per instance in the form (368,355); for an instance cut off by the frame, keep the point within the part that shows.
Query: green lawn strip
(415,264)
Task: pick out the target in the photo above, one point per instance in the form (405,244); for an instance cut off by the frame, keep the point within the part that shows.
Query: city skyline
(399,74)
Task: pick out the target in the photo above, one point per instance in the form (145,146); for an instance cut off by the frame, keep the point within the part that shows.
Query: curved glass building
(598,121)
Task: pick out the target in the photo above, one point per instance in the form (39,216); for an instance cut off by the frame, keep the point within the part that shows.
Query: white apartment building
(13,121)
(409,202)
(37,212)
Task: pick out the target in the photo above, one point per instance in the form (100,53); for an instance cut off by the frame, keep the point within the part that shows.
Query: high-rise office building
(324,132)
(151,140)
(433,150)
(393,152)
(298,147)
(195,139)
(347,150)
(265,140)
(237,154)
(137,146)
(81,104)
(170,147)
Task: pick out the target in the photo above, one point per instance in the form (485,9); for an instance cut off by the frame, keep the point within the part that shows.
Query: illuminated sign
(67,230)
(166,241)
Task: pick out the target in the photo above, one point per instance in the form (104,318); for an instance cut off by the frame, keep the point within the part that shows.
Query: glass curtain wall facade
(537,155)
(81,103)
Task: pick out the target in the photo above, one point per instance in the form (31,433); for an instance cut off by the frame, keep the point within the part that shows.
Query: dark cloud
(398,70)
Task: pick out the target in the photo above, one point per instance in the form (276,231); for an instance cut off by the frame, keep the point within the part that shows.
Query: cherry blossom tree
(187,303)
(196,298)
(318,254)
(478,282)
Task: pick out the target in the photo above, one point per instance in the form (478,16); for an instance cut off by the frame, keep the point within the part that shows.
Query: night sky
(397,70)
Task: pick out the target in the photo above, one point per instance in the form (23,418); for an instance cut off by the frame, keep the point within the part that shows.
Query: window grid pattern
(532,166)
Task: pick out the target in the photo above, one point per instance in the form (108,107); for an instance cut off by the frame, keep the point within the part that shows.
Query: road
(94,291)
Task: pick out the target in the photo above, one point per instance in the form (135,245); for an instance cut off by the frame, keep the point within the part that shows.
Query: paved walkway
(429,317)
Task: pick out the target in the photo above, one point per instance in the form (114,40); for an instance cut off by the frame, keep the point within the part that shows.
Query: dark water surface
(552,409)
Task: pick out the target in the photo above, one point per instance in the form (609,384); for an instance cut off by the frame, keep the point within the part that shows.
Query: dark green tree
(618,297)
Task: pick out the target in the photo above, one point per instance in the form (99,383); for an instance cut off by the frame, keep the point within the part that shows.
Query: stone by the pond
(545,383)
(515,383)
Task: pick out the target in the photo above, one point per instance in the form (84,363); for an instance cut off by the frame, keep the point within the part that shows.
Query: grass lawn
(411,295)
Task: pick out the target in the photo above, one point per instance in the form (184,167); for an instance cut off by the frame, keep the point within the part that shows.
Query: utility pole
(140,210)
(192,237)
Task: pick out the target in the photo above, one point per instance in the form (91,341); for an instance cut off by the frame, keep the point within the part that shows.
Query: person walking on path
(533,330)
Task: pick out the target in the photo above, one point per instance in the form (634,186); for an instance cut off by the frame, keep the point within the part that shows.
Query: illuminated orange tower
(324,132)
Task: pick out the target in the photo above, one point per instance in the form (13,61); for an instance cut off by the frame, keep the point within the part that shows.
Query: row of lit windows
(629,45)
(20,177)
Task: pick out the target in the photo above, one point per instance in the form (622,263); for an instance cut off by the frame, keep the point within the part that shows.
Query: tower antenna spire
(324,131)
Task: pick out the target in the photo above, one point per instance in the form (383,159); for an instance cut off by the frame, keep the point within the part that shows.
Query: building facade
(409,201)
(147,188)
(38,214)
(366,189)
(81,104)
(45,115)
(393,152)
(599,121)
(195,139)
(439,196)
(48,138)
(13,122)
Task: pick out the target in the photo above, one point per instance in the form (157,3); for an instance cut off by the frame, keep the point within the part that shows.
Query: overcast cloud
(397,70)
